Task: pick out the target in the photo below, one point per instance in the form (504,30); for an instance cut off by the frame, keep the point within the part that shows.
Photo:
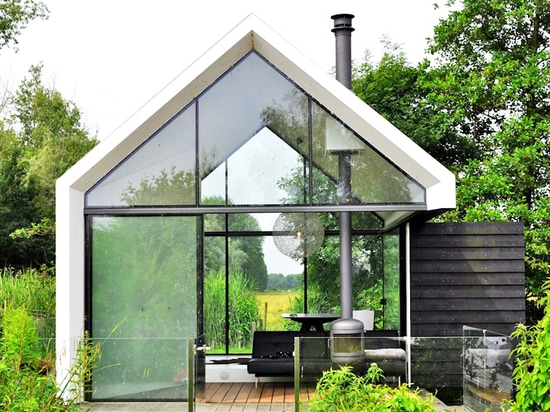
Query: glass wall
(250,284)
(143,304)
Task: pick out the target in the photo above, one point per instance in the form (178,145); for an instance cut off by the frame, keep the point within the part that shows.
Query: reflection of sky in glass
(254,171)
(232,111)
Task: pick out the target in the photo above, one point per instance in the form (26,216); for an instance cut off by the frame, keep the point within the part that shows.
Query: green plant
(36,292)
(342,390)
(26,379)
(243,309)
(532,354)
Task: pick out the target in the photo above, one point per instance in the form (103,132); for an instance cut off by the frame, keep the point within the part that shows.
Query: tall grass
(243,310)
(27,324)
(272,305)
(30,288)
(35,291)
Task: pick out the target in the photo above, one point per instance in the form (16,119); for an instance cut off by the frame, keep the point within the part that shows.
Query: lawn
(272,305)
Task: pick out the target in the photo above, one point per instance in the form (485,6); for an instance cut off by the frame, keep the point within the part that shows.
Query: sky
(111,56)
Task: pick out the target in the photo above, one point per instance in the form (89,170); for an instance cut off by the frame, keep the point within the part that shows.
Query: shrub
(26,379)
(532,372)
(36,292)
(342,390)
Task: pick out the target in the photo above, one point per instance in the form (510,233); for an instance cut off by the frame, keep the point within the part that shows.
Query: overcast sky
(111,56)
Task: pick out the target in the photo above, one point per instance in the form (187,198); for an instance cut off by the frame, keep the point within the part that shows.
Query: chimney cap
(342,21)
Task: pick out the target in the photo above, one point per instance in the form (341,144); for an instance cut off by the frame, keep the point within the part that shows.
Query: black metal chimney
(342,32)
(346,333)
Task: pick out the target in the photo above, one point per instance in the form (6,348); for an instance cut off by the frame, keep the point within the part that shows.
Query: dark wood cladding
(467,274)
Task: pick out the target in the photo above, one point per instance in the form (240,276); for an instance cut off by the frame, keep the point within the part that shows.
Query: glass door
(142,305)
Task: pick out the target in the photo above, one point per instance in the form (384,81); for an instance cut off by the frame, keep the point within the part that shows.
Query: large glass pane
(368,292)
(160,173)
(143,304)
(359,173)
(243,120)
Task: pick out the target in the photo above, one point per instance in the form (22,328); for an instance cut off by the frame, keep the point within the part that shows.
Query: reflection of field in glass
(272,305)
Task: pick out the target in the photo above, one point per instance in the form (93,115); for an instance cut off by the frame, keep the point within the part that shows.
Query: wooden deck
(233,397)
(248,393)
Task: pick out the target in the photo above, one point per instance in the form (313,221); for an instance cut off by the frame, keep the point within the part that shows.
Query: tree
(15,15)
(491,79)
(51,133)
(43,138)
(396,90)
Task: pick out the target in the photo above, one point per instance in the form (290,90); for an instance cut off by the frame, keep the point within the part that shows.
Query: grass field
(272,305)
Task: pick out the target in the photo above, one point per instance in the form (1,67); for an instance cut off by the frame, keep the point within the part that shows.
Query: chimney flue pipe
(342,31)
(346,333)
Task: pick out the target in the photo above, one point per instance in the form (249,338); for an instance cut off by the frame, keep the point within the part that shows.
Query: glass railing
(473,370)
(487,369)
(143,370)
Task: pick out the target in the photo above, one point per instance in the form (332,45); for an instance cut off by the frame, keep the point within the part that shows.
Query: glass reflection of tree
(171,187)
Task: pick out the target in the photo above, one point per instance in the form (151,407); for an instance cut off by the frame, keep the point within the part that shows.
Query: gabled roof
(253,35)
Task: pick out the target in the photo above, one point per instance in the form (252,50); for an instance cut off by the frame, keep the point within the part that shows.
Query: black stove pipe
(342,31)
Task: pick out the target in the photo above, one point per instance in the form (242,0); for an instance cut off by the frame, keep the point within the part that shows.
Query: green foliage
(396,90)
(532,354)
(342,390)
(27,381)
(15,15)
(278,281)
(19,339)
(245,252)
(242,305)
(30,288)
(35,291)
(51,134)
(480,106)
(44,138)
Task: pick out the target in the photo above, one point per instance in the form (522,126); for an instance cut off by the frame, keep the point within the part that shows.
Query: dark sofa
(273,353)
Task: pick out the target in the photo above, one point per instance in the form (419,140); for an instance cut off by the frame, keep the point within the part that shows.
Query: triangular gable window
(260,140)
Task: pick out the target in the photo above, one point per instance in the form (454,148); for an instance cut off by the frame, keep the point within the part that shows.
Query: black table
(312,321)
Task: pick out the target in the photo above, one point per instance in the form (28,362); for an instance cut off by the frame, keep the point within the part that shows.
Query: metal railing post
(297,374)
(191,374)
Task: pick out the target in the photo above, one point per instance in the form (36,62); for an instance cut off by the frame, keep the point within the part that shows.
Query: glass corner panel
(362,175)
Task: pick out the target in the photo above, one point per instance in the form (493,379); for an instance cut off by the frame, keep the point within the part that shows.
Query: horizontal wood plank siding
(467,274)
(462,274)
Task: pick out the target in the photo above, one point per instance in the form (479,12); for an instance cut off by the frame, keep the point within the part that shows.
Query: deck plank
(244,393)
(267,393)
(278,393)
(255,394)
(232,392)
(217,394)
